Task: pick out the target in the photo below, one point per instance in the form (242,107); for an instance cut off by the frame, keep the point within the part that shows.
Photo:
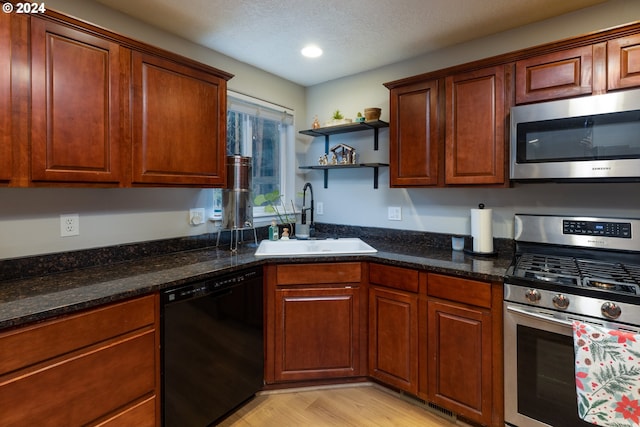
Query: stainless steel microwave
(592,138)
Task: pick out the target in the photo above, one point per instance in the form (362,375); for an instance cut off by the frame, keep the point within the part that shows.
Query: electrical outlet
(196,216)
(319,208)
(69,225)
(394,213)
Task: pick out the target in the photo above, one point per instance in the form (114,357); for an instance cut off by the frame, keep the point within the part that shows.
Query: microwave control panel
(597,228)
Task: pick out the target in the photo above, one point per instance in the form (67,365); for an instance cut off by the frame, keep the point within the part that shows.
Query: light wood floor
(354,405)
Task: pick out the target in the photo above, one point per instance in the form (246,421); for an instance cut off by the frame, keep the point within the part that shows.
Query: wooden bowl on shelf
(371,114)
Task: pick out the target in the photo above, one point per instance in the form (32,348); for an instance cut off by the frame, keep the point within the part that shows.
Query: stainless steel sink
(290,247)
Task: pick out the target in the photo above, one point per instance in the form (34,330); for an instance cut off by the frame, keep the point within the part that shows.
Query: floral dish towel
(607,375)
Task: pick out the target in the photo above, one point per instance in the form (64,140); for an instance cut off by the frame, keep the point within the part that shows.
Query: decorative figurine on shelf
(353,157)
(316,123)
(344,153)
(285,234)
(359,117)
(334,159)
(323,160)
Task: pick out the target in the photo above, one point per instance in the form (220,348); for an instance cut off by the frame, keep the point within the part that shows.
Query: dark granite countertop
(31,299)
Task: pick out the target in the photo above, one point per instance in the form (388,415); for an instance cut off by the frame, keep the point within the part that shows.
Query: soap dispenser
(273,231)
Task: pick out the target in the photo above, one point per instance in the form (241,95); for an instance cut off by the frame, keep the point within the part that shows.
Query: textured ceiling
(355,35)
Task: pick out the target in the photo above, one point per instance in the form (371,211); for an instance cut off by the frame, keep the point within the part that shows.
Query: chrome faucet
(303,218)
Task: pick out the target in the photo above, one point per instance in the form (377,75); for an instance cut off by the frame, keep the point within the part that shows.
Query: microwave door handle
(539,316)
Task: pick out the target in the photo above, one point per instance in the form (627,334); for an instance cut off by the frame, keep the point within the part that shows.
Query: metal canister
(237,208)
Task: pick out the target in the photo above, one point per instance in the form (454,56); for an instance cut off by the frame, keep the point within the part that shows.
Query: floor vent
(442,411)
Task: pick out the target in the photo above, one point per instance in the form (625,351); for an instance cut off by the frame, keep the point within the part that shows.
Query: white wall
(29,218)
(350,197)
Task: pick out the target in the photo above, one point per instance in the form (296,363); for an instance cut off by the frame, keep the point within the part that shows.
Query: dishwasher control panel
(218,284)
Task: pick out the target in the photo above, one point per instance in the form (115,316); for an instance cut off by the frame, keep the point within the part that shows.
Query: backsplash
(42,265)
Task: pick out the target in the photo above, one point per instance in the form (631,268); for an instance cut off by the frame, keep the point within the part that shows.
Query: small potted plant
(274,204)
(338,119)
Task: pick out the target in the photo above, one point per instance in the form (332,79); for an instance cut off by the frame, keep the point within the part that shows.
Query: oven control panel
(597,228)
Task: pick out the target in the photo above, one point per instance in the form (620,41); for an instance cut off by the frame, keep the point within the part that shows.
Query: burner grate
(548,264)
(561,270)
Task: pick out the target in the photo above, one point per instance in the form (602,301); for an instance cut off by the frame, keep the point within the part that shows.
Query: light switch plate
(394,213)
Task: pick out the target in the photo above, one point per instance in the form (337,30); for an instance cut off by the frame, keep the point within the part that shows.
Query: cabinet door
(179,124)
(76,134)
(97,366)
(316,333)
(5,98)
(459,360)
(414,135)
(555,75)
(393,338)
(623,57)
(476,117)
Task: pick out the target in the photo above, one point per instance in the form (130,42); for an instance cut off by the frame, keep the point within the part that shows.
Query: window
(264,132)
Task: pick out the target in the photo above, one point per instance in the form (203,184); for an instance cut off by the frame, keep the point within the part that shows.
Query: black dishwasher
(212,347)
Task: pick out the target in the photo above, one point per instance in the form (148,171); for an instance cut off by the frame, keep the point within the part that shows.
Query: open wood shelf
(326,168)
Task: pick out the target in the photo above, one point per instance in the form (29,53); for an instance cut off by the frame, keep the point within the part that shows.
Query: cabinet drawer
(26,346)
(346,272)
(141,414)
(82,388)
(461,290)
(393,277)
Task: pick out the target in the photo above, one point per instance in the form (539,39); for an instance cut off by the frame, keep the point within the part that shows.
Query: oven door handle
(540,316)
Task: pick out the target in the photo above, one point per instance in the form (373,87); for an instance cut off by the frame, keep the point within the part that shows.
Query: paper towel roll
(482,230)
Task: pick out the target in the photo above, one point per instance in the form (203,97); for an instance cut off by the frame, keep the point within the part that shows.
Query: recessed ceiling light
(311,51)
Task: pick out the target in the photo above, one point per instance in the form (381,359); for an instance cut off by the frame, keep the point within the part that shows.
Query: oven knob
(532,295)
(560,301)
(611,310)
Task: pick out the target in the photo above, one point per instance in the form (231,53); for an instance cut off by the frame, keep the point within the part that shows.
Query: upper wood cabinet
(457,132)
(623,56)
(450,131)
(75,123)
(179,123)
(83,106)
(555,75)
(414,141)
(6,157)
(475,135)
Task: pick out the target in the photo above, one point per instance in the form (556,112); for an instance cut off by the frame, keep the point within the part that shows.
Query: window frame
(287,153)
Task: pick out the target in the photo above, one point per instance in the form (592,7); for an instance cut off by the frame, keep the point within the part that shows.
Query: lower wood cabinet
(434,336)
(99,367)
(459,366)
(465,348)
(393,326)
(315,323)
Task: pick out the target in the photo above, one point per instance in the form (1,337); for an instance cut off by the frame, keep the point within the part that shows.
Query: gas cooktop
(596,257)
(568,271)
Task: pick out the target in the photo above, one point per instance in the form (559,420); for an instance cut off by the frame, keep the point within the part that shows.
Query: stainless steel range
(564,269)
